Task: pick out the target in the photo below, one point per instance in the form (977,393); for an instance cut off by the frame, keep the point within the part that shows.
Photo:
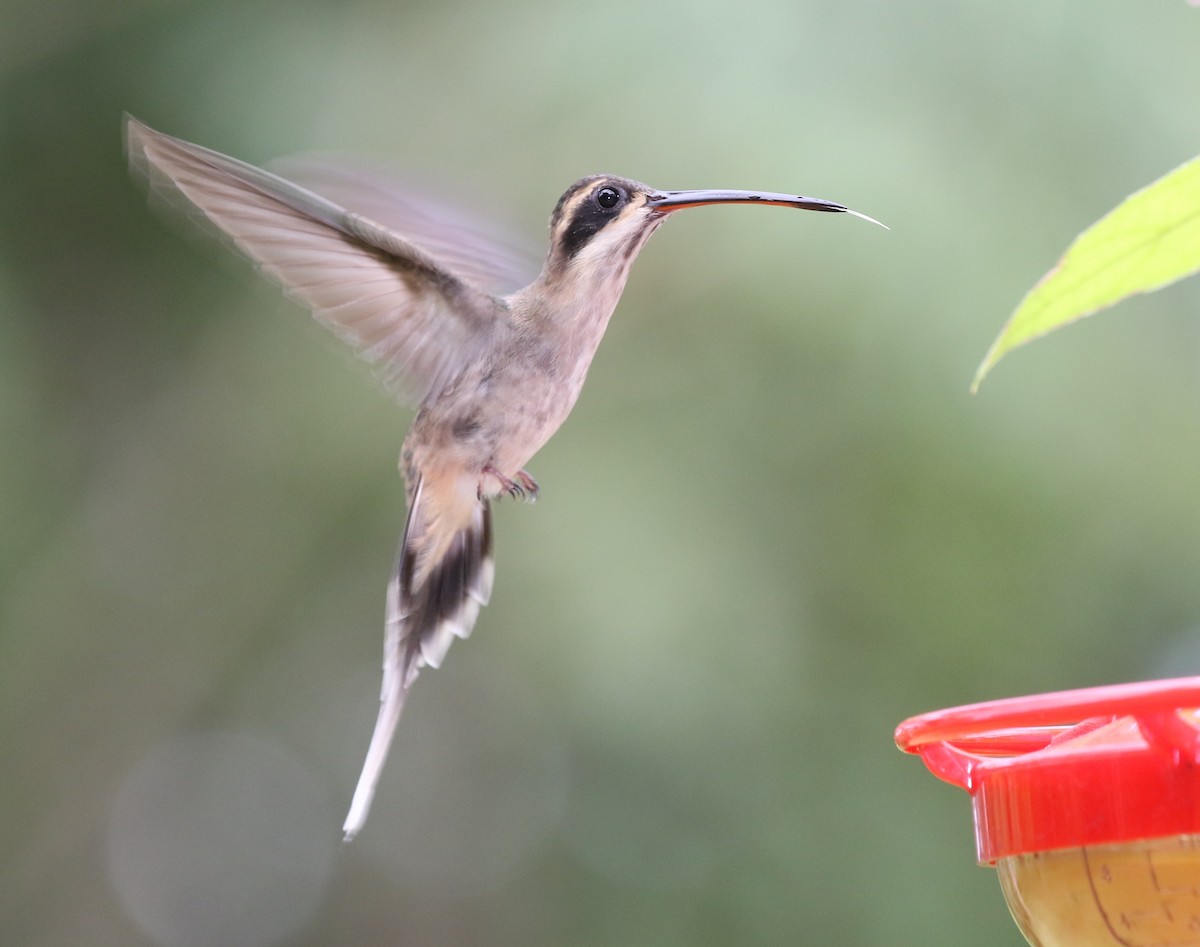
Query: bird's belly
(501,423)
(527,419)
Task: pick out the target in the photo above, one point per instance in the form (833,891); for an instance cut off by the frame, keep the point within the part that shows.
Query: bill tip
(870,220)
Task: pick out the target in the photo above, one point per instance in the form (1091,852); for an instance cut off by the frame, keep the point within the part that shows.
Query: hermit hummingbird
(492,376)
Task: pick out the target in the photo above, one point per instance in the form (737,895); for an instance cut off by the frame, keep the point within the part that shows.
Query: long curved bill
(668,201)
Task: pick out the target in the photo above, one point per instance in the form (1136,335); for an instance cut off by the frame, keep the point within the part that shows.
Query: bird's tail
(443,576)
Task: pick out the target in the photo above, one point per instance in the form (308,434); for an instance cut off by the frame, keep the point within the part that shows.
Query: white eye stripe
(568,213)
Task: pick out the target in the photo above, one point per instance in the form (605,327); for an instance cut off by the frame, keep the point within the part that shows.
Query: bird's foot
(530,485)
(523,488)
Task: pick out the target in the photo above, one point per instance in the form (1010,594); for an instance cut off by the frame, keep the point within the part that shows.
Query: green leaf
(1150,240)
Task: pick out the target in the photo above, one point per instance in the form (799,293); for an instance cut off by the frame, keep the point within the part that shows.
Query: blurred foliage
(1150,240)
(776,524)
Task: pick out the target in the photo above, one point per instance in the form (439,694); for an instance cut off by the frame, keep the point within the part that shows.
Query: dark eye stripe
(589,217)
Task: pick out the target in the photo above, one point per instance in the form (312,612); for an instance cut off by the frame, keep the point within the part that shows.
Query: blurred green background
(775,525)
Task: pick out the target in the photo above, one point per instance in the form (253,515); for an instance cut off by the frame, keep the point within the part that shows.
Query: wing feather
(471,245)
(418,321)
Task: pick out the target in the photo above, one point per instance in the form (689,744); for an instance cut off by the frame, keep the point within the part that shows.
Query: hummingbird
(492,375)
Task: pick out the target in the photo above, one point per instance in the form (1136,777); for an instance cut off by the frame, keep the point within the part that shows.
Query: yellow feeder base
(1136,894)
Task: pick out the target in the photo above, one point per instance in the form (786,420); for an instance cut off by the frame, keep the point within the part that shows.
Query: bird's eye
(607,197)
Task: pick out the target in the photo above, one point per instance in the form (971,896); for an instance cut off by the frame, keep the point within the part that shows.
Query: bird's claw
(523,488)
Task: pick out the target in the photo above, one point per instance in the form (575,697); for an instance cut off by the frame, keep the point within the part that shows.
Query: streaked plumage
(493,376)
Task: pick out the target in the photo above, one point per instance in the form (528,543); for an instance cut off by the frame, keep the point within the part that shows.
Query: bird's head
(598,226)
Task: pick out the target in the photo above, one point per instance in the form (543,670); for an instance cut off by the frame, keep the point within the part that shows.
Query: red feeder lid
(1103,765)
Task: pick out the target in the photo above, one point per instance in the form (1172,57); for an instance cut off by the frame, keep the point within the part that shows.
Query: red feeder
(1088,804)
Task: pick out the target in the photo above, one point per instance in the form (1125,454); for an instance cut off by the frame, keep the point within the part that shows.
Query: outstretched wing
(395,302)
(470,245)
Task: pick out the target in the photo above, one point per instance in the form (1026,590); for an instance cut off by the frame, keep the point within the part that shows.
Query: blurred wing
(394,302)
(472,246)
